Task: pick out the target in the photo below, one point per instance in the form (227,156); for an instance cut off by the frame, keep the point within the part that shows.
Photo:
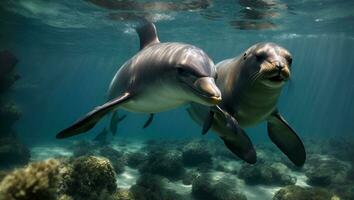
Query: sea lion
(251,85)
(161,76)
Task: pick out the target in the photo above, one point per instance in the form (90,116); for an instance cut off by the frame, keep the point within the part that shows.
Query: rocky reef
(205,187)
(151,187)
(164,162)
(294,192)
(85,177)
(173,170)
(266,173)
(12,151)
(36,181)
(196,153)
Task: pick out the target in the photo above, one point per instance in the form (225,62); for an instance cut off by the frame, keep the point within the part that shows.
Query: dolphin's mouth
(208,98)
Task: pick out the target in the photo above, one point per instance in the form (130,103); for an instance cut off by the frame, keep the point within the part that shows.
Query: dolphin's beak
(207,88)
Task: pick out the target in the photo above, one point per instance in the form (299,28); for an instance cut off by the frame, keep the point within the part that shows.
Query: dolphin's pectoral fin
(241,145)
(286,139)
(148,122)
(89,120)
(208,122)
(115,119)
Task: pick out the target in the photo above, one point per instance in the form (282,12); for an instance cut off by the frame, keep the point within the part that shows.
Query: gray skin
(251,85)
(161,76)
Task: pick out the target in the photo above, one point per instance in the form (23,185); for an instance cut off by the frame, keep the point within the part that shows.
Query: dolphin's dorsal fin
(147,34)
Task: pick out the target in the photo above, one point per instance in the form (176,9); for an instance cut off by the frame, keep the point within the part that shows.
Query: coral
(89,177)
(123,194)
(13,152)
(195,153)
(267,174)
(325,171)
(117,158)
(151,187)
(205,187)
(167,163)
(36,181)
(294,192)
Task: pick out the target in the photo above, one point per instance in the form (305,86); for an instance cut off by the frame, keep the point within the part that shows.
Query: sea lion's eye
(290,60)
(260,56)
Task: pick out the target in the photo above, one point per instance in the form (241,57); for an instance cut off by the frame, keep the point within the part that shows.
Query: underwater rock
(89,178)
(266,174)
(37,181)
(325,171)
(341,148)
(190,176)
(167,163)
(118,159)
(195,153)
(204,187)
(83,148)
(294,192)
(151,187)
(345,191)
(13,152)
(136,159)
(9,114)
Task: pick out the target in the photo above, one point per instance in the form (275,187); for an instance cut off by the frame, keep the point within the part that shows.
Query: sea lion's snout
(279,72)
(207,88)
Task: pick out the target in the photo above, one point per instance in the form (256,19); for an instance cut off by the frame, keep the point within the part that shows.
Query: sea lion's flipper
(231,122)
(115,119)
(148,122)
(286,139)
(147,33)
(89,120)
(241,145)
(208,122)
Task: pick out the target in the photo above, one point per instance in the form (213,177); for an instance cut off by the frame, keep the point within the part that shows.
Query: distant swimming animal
(114,122)
(101,138)
(250,86)
(161,76)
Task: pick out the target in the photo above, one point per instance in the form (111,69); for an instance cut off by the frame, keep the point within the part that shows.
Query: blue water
(69,51)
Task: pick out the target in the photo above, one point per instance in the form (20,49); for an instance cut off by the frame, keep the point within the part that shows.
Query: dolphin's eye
(185,70)
(244,56)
